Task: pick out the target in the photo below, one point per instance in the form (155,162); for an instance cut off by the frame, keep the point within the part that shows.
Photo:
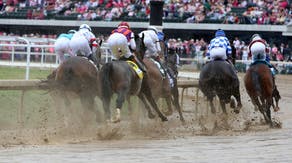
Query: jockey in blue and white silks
(219,47)
(61,45)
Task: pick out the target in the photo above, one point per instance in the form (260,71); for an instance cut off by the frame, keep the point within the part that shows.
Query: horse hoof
(236,111)
(276,109)
(168,113)
(116,120)
(164,119)
(232,103)
(151,116)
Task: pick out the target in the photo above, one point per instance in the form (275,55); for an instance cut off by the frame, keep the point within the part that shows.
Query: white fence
(20,53)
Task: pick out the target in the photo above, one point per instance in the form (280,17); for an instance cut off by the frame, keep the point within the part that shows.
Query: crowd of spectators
(190,11)
(192,48)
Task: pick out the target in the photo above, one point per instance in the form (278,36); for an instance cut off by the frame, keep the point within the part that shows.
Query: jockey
(121,42)
(61,45)
(258,50)
(219,47)
(84,43)
(151,41)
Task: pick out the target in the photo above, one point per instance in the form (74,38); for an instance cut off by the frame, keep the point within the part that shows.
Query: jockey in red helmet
(121,42)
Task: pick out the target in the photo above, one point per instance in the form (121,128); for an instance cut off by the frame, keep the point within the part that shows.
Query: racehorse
(161,87)
(77,75)
(120,78)
(261,89)
(219,78)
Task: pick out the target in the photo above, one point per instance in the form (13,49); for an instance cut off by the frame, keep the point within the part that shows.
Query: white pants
(258,51)
(218,53)
(80,46)
(118,44)
(62,47)
(151,50)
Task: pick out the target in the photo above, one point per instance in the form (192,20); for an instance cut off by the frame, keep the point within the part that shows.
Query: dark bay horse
(261,89)
(161,87)
(120,78)
(219,78)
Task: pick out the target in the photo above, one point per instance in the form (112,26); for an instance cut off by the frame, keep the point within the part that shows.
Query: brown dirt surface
(63,124)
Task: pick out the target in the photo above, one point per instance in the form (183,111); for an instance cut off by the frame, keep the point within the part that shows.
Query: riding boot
(139,63)
(93,59)
(157,59)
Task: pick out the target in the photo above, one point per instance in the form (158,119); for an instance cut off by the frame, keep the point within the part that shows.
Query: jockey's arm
(158,46)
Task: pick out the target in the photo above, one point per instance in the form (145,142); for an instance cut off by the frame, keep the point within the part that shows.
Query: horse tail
(255,78)
(106,82)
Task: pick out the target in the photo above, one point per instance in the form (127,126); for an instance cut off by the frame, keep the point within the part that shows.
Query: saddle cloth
(136,69)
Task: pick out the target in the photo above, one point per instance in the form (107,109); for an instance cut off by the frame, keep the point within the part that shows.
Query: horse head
(140,47)
(98,52)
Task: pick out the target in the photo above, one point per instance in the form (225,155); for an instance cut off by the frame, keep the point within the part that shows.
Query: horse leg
(169,106)
(210,99)
(277,97)
(175,95)
(119,103)
(268,111)
(238,99)
(147,107)
(223,106)
(263,109)
(147,92)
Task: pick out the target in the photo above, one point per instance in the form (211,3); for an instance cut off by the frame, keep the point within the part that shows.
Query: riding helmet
(124,25)
(220,32)
(85,26)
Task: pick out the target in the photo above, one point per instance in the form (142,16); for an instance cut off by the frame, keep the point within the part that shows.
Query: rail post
(27,55)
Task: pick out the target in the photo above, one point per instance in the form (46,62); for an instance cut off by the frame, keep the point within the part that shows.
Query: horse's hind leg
(210,99)
(169,106)
(147,107)
(147,92)
(223,106)
(238,99)
(119,103)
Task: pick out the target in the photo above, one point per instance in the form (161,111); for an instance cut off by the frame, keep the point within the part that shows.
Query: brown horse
(261,89)
(161,87)
(77,75)
(120,78)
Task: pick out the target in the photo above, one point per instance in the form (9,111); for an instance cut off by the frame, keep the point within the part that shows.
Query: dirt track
(73,136)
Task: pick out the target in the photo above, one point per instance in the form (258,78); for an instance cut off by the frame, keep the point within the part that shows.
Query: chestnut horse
(120,78)
(219,78)
(161,87)
(261,89)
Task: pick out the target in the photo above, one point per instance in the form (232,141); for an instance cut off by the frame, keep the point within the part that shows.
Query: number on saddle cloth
(136,69)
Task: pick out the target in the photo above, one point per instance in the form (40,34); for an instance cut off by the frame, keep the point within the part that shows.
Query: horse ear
(142,38)
(100,42)
(136,36)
